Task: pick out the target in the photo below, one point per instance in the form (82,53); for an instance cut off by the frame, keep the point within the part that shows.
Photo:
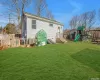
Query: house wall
(51,31)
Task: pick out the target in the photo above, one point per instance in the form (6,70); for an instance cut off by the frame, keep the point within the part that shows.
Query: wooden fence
(95,34)
(9,40)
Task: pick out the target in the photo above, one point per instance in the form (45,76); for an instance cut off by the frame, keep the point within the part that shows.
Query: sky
(63,10)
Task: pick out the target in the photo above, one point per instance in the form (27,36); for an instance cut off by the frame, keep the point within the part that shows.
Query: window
(51,24)
(33,24)
(58,27)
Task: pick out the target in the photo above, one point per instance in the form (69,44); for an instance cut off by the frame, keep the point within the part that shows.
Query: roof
(66,32)
(95,30)
(42,18)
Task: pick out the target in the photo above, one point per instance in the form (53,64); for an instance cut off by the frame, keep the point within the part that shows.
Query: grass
(71,61)
(89,57)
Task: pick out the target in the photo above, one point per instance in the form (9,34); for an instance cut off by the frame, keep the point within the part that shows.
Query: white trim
(43,19)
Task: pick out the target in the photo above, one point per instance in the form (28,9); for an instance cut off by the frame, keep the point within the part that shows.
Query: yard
(71,61)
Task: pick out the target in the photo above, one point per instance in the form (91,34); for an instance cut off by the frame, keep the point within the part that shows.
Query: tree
(41,9)
(91,19)
(49,15)
(74,22)
(71,23)
(16,7)
(10,28)
(99,14)
(40,6)
(86,19)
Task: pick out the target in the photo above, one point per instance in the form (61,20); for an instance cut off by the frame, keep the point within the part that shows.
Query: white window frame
(51,24)
(33,24)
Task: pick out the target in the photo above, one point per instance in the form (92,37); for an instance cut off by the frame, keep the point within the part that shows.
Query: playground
(82,34)
(70,61)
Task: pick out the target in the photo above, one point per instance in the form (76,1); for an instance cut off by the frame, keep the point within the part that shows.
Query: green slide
(77,38)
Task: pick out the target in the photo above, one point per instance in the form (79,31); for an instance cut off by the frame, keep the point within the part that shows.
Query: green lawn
(71,61)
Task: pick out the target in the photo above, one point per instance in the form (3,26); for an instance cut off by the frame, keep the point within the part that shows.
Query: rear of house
(32,24)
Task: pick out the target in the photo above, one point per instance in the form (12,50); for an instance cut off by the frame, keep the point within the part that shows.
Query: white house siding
(51,31)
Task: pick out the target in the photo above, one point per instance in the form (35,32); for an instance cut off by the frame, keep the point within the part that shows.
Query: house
(66,34)
(70,34)
(33,24)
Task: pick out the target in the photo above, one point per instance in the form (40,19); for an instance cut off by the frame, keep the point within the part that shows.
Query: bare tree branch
(16,6)
(86,19)
(74,22)
(40,5)
(49,14)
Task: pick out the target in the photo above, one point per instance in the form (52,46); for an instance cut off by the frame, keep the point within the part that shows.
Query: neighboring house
(70,34)
(32,24)
(66,34)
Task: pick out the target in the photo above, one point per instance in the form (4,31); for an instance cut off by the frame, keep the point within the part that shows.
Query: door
(58,32)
